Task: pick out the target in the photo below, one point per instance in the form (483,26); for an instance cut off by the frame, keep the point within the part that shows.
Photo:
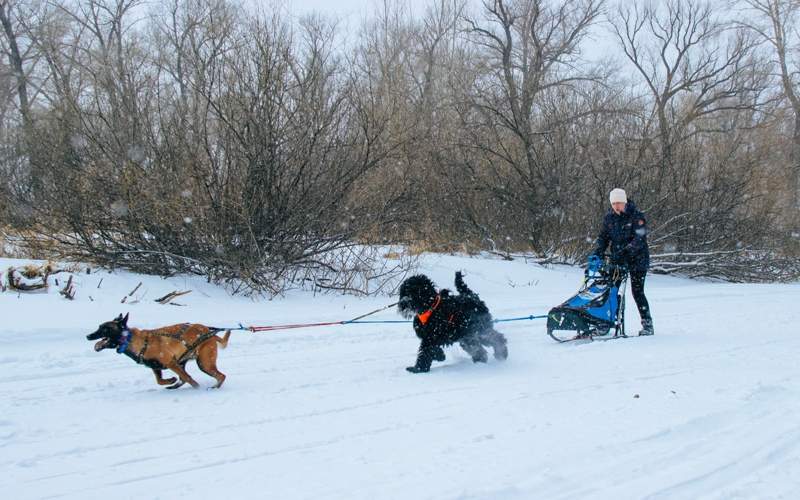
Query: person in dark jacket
(624,234)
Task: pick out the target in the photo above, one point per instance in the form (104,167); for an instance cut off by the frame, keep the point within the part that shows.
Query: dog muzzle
(102,344)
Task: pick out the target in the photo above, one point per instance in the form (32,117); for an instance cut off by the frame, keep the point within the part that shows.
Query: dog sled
(597,311)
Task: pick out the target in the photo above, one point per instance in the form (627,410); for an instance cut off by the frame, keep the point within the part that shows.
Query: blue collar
(126,339)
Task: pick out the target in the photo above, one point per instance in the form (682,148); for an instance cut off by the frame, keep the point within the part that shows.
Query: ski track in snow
(330,412)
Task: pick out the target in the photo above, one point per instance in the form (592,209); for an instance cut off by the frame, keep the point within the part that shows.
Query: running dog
(170,347)
(442,319)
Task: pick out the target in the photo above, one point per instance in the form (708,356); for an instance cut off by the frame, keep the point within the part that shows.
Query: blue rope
(521,318)
(233,329)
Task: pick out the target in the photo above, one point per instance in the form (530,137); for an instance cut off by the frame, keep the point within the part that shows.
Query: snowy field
(331,412)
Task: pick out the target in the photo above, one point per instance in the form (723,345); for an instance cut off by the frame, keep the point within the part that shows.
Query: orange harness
(425,316)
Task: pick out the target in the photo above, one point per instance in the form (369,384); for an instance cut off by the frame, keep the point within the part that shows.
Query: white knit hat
(618,196)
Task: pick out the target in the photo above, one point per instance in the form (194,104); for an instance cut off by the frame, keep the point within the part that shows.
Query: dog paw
(414,369)
(480,358)
(501,353)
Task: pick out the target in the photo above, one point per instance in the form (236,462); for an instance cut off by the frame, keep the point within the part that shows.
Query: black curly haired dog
(441,319)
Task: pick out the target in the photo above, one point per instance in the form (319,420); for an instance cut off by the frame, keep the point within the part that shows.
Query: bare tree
(531,52)
(776,23)
(16,55)
(21,23)
(699,73)
(264,153)
(690,62)
(234,153)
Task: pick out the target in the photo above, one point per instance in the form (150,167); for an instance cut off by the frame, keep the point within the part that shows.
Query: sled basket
(595,310)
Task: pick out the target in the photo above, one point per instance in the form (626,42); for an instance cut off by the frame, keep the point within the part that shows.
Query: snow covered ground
(331,412)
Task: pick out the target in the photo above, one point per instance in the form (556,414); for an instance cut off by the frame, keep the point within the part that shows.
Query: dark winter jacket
(625,236)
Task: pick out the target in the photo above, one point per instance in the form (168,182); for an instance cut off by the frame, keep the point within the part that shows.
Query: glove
(593,264)
(620,256)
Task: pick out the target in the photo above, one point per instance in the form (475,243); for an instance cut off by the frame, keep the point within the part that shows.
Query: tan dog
(169,348)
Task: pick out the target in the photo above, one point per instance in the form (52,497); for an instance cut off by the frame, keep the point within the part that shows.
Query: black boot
(647,327)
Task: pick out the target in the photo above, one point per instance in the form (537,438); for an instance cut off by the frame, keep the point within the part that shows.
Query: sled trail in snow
(332,413)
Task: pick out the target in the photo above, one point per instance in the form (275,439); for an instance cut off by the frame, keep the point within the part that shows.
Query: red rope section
(291,327)
(307,325)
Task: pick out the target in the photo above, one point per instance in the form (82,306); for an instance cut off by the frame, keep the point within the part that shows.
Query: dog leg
(497,341)
(425,358)
(474,348)
(185,377)
(163,381)
(207,362)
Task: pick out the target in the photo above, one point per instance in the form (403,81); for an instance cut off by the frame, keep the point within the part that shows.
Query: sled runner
(597,311)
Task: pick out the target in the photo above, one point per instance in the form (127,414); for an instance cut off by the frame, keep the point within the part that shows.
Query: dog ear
(118,318)
(125,319)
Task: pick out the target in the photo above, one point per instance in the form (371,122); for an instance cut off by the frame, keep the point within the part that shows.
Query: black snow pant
(637,287)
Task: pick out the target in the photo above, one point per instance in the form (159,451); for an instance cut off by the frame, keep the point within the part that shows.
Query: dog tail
(223,342)
(462,287)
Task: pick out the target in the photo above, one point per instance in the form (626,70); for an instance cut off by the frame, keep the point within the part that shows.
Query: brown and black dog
(169,348)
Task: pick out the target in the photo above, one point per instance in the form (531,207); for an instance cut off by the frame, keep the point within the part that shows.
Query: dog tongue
(101,344)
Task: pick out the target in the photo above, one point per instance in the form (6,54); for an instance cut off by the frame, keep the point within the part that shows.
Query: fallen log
(171,296)
(29,278)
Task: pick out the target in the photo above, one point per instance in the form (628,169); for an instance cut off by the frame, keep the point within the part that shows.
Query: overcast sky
(348,8)
(352,12)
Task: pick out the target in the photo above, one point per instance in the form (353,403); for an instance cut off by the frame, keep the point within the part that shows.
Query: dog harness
(126,339)
(425,316)
(190,348)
